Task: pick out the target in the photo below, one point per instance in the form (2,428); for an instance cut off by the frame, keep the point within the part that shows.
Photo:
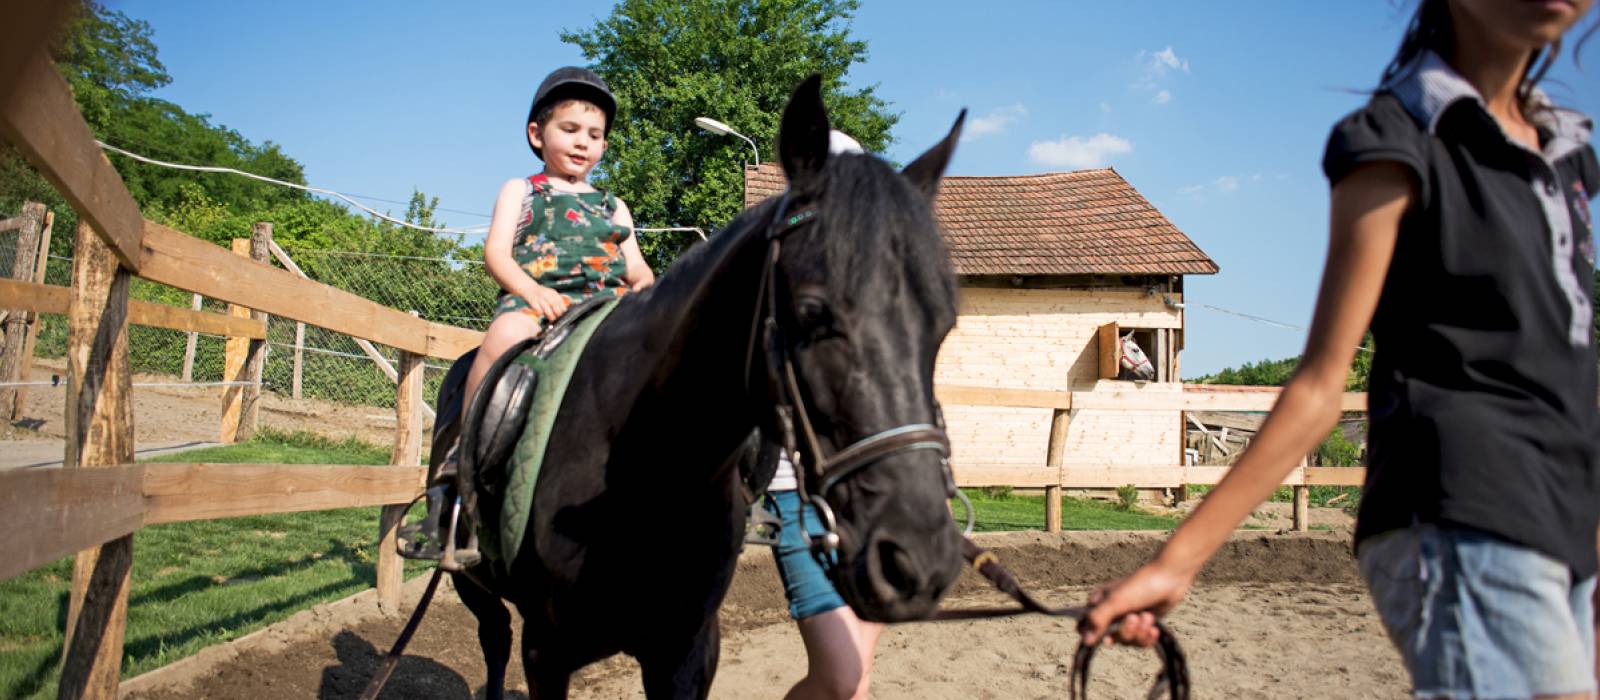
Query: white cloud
(1221,185)
(994,122)
(1167,59)
(1077,151)
(1154,68)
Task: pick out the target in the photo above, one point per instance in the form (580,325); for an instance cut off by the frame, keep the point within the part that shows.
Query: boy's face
(572,139)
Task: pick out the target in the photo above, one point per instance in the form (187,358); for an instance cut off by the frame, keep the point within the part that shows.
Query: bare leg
(839,650)
(504,332)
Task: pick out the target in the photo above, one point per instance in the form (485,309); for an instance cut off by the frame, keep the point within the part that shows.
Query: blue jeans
(805,584)
(1475,616)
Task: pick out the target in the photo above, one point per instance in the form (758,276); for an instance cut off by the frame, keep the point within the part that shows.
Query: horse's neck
(691,336)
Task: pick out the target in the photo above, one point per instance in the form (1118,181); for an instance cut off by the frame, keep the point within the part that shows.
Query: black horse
(638,513)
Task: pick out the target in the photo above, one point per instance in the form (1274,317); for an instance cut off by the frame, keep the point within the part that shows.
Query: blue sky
(1216,112)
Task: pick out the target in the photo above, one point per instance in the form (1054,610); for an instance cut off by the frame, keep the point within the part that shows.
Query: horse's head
(861,295)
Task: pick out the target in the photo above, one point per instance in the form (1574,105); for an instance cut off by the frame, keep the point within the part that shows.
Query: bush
(1127,497)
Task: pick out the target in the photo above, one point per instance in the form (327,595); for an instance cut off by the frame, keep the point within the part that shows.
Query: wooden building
(1052,268)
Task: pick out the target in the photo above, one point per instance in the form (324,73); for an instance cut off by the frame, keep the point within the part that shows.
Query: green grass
(1001,510)
(1349,497)
(199,583)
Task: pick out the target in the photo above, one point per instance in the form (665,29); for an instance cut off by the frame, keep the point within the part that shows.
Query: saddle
(484,434)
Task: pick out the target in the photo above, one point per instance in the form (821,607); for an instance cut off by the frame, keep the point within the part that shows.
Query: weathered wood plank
(987,396)
(175,258)
(407,453)
(15,327)
(51,299)
(99,430)
(1108,350)
(33,318)
(58,512)
(1336,476)
(41,120)
(178,492)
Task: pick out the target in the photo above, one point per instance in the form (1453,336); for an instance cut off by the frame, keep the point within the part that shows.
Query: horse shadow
(414,676)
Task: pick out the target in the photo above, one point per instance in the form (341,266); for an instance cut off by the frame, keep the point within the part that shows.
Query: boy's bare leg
(504,332)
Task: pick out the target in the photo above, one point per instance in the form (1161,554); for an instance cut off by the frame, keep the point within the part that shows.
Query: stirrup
(421,540)
(459,558)
(762,528)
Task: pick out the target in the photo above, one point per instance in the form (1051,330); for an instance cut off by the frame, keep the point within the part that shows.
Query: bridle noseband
(833,469)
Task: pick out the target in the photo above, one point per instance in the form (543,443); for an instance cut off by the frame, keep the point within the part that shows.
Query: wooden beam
(256,349)
(51,299)
(450,342)
(29,27)
(24,262)
(1194,401)
(1055,457)
(180,492)
(57,512)
(1336,476)
(178,259)
(407,453)
(41,120)
(970,474)
(99,432)
(986,396)
(33,318)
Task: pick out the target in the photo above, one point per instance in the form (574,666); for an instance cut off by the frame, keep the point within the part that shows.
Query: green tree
(669,61)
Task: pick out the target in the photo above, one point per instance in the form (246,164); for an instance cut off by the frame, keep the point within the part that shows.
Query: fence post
(12,362)
(1302,501)
(407,453)
(188,345)
(99,428)
(1060,420)
(299,356)
(244,357)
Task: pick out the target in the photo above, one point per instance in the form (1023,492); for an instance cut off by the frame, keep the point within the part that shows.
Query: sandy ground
(175,415)
(1274,616)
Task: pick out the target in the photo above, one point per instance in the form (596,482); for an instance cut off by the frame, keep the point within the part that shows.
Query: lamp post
(717,127)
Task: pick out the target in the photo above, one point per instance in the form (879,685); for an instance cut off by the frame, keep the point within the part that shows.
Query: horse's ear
(803,136)
(925,171)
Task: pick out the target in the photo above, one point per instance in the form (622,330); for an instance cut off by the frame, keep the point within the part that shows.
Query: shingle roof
(1087,222)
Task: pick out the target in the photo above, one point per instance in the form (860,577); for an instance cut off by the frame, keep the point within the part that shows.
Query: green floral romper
(567,242)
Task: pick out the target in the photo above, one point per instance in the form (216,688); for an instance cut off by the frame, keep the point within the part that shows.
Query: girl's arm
(639,275)
(502,266)
(1366,209)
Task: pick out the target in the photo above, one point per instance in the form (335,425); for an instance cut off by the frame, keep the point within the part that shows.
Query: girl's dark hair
(1430,30)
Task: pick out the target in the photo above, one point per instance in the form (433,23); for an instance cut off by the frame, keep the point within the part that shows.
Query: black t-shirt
(1483,393)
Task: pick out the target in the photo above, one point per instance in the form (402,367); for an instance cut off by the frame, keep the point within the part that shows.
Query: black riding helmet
(571,82)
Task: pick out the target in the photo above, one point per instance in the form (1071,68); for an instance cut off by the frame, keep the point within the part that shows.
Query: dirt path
(179,414)
(1274,616)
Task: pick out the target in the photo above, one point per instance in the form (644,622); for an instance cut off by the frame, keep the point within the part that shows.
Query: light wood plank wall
(1045,339)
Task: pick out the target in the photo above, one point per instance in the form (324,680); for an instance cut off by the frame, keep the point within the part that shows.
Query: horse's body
(638,514)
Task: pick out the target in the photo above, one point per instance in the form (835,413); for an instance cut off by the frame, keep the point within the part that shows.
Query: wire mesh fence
(312,378)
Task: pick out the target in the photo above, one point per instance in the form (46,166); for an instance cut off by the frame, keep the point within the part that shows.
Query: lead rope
(386,668)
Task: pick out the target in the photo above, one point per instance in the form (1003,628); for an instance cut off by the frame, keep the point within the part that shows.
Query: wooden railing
(93,505)
(1059,472)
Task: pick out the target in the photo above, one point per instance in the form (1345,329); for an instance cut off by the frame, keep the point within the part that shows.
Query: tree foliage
(1278,372)
(736,61)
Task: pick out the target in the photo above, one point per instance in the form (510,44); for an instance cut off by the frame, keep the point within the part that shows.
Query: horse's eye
(812,313)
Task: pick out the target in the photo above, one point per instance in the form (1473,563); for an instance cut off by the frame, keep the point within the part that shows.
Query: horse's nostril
(899,571)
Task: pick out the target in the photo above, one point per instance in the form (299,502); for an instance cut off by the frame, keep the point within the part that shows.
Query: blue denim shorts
(1475,616)
(804,582)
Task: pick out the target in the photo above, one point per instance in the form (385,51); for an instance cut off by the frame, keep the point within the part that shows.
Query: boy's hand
(546,302)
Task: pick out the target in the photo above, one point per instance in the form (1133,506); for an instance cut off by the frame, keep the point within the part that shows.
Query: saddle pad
(555,371)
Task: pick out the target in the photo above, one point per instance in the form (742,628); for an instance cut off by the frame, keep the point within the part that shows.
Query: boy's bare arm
(502,266)
(638,275)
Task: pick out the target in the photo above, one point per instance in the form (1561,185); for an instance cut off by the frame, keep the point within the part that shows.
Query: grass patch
(199,583)
(1345,498)
(998,512)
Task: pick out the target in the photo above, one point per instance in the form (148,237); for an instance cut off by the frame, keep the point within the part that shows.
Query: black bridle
(829,470)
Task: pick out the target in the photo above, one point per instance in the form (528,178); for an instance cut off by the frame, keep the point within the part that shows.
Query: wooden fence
(92,507)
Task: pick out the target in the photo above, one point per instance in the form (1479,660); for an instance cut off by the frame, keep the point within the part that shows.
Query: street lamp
(717,127)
